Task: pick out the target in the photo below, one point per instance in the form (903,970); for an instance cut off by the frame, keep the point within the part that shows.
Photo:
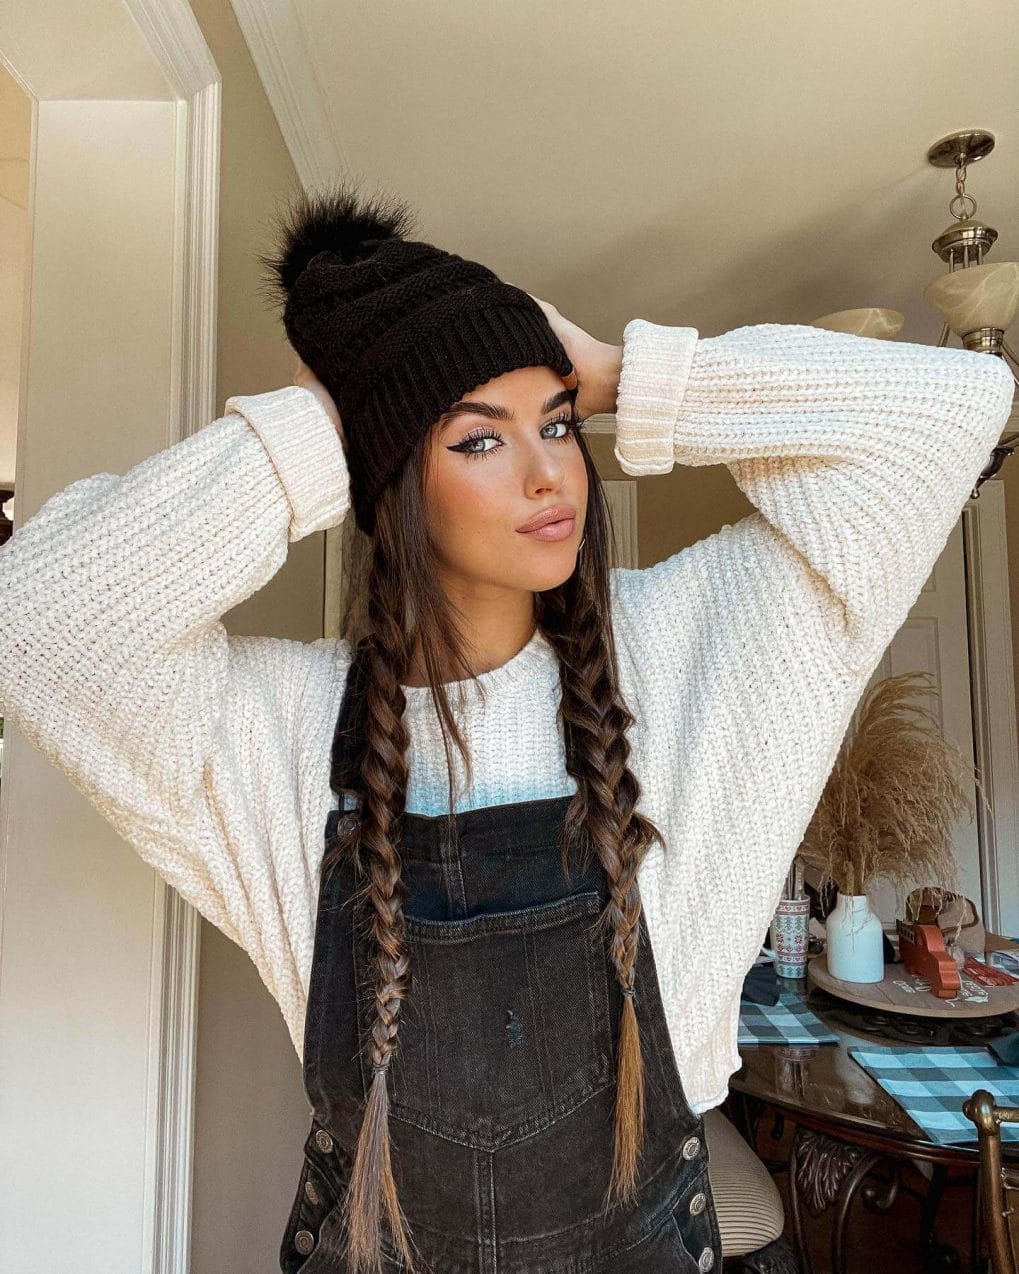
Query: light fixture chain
(960,194)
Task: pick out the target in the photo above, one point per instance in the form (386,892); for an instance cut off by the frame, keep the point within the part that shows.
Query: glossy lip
(557,513)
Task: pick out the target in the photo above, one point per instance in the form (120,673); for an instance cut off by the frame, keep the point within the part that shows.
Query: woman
(559,800)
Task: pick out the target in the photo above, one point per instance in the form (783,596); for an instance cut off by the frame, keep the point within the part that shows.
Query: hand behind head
(307,379)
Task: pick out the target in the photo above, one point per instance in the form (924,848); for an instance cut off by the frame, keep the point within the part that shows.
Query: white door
(959,631)
(98,955)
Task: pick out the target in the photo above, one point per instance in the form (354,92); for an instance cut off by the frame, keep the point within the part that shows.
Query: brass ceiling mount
(966,239)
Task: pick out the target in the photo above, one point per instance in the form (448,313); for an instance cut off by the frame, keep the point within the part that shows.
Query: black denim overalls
(502,1088)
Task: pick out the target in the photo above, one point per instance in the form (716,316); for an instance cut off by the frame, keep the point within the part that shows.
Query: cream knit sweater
(741,657)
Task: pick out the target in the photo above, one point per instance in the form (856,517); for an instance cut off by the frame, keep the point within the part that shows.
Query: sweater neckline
(519,668)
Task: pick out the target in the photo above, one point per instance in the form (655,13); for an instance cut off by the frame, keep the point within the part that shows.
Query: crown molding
(276,39)
(171,31)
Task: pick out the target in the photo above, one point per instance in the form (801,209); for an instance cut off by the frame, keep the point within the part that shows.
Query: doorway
(98,958)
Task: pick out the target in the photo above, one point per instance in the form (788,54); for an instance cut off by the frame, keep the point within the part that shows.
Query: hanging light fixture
(978,301)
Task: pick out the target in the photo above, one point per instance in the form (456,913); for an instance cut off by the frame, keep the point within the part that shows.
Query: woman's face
(490,470)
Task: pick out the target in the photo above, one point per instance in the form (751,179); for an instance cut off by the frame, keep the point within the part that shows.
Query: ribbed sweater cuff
(656,367)
(306,451)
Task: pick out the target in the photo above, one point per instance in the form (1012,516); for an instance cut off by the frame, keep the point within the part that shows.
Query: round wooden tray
(904,992)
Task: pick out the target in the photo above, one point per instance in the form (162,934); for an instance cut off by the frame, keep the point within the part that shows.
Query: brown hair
(395,601)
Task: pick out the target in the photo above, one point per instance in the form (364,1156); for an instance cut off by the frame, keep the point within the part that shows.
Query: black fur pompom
(338,220)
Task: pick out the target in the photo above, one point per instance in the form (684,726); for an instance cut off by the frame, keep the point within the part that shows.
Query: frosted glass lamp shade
(869,321)
(977,296)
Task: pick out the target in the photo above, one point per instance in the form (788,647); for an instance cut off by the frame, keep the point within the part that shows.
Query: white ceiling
(711,165)
(108,57)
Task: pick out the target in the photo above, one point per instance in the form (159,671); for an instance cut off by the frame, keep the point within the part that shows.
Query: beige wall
(251,1114)
(707,498)
(15,138)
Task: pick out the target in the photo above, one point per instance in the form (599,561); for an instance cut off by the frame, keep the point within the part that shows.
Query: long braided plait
(602,814)
(383,785)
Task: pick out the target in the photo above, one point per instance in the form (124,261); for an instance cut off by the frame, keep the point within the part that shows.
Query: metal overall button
(691,1147)
(316,1214)
(304,1241)
(691,1214)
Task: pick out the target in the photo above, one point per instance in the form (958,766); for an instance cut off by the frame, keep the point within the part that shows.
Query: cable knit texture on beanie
(742,656)
(397,330)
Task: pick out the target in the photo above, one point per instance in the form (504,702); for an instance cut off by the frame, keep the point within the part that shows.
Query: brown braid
(395,605)
(603,811)
(384,784)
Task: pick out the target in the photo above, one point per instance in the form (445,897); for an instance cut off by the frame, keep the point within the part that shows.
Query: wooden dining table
(846,1125)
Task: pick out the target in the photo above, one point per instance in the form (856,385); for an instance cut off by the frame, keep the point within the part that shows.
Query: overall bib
(502,1089)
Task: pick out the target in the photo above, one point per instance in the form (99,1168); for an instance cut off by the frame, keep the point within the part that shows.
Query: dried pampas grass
(892,800)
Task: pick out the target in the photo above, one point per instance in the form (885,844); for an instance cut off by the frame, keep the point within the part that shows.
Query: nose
(545,472)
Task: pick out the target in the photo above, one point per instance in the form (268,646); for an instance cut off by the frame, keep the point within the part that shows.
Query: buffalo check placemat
(787,1022)
(931,1084)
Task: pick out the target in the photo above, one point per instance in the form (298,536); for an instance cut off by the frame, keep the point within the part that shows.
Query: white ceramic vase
(854,948)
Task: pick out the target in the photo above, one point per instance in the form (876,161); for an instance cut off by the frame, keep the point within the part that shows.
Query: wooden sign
(922,951)
(903,992)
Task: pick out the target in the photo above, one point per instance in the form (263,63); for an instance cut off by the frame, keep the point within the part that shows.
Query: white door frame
(133,80)
(992,680)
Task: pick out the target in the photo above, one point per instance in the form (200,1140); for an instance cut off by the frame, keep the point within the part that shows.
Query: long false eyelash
(574,422)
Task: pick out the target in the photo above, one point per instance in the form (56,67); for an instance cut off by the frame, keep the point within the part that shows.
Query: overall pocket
(506,1025)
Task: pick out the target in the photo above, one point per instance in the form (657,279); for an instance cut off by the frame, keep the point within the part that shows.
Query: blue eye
(479,435)
(570,426)
(470,451)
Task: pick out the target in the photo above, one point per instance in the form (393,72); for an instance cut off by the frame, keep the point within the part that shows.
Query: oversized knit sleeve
(859,453)
(115,664)
(744,655)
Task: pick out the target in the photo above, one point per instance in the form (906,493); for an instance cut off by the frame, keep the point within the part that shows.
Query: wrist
(605,390)
(657,366)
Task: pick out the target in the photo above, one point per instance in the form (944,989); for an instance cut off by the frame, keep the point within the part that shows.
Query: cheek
(469,503)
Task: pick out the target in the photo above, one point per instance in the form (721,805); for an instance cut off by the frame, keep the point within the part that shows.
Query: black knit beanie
(396,330)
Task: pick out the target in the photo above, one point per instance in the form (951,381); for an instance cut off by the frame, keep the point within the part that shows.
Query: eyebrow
(496,411)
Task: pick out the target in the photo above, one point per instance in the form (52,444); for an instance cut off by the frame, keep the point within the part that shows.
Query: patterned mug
(789,930)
